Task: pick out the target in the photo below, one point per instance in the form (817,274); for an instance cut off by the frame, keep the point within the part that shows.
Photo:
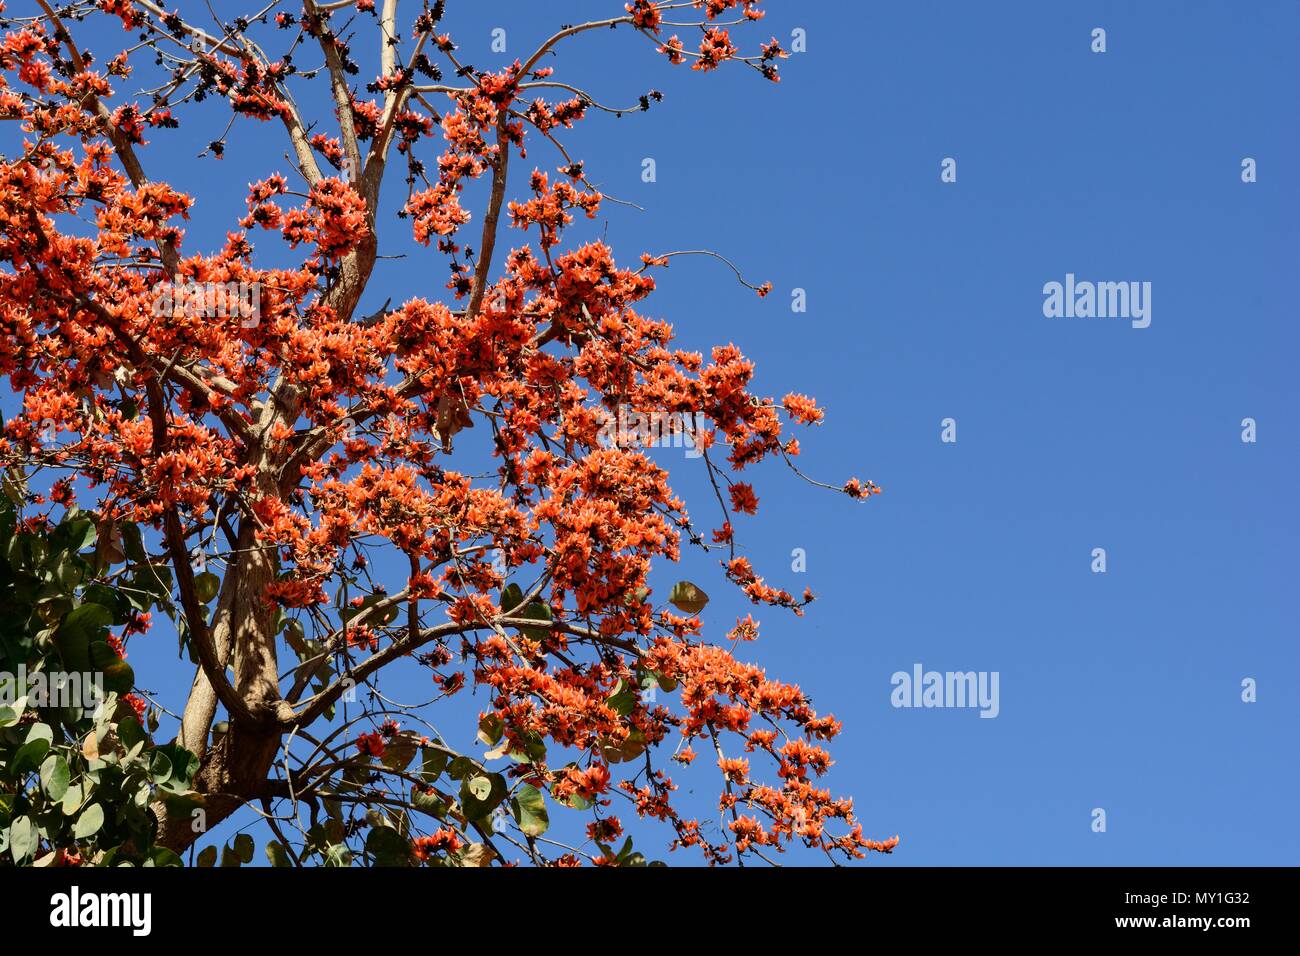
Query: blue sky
(1120,690)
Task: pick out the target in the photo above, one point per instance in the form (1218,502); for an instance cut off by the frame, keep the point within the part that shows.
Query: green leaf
(647,679)
(24,837)
(55,777)
(118,675)
(490,729)
(277,854)
(461,767)
(14,483)
(183,804)
(534,748)
(206,586)
(629,749)
(687,598)
(184,766)
(151,584)
(88,824)
(626,856)
(85,624)
(73,799)
(400,750)
(431,803)
(578,802)
(8,519)
(338,855)
(529,808)
(71,571)
(475,854)
(482,793)
(161,856)
(39,731)
(108,549)
(244,847)
(295,637)
(623,700)
(433,761)
(110,598)
(131,733)
(73,534)
(133,542)
(160,767)
(207,856)
(388,847)
(29,757)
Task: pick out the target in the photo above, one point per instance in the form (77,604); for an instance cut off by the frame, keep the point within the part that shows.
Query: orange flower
(743,498)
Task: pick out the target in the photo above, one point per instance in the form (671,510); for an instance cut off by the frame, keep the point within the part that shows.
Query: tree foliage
(79,769)
(282,472)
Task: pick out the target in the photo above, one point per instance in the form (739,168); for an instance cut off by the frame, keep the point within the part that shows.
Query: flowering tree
(253,453)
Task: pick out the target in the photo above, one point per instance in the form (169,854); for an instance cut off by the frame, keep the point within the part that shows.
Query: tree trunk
(235,769)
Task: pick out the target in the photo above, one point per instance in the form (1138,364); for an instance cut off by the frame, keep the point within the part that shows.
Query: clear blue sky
(1119,690)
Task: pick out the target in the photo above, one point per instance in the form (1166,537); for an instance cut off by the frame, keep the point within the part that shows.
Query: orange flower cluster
(311,434)
(441,842)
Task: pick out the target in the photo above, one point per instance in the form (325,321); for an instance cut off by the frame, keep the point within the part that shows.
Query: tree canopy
(271,456)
